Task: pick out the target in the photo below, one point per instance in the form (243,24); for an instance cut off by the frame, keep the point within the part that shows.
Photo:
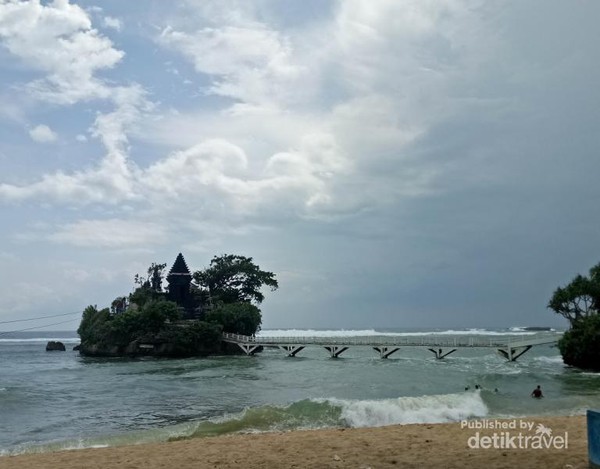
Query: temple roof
(179,267)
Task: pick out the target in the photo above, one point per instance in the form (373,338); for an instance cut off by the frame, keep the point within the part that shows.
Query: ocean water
(60,400)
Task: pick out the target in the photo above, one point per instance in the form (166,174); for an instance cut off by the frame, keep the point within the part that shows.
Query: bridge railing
(428,340)
(378,341)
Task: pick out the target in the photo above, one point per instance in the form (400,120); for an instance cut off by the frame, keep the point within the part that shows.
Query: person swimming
(537,392)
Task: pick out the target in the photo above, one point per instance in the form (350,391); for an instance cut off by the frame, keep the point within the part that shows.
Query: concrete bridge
(511,347)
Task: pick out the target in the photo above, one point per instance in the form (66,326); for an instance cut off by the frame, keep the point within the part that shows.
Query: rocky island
(187,318)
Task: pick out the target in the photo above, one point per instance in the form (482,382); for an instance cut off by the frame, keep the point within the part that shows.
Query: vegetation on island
(223,297)
(579,303)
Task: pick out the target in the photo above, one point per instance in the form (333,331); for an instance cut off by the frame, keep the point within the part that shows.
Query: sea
(53,401)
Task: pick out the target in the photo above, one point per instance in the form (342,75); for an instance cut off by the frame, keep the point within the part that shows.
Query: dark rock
(157,348)
(55,346)
(77,348)
(95,350)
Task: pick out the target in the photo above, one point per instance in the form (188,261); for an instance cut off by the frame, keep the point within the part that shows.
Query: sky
(398,163)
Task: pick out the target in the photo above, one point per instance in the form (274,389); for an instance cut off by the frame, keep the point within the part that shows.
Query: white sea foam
(81,444)
(50,447)
(405,410)
(525,329)
(42,339)
(552,360)
(373,332)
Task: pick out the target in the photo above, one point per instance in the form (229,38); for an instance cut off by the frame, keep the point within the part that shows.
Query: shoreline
(441,445)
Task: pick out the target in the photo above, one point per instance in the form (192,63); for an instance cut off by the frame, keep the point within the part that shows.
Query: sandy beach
(406,446)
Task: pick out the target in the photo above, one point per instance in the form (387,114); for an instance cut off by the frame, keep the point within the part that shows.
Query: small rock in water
(337,458)
(55,346)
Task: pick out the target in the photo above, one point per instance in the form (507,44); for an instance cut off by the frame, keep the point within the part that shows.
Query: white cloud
(306,155)
(110,233)
(43,134)
(113,23)
(112,181)
(81,138)
(250,62)
(58,40)
(217,170)
(292,141)
(393,62)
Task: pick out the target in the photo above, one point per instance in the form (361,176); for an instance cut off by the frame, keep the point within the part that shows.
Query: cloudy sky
(397,163)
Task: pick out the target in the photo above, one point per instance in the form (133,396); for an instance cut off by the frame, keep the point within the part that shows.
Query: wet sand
(405,446)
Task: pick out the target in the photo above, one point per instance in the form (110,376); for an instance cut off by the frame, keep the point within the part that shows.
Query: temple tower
(180,280)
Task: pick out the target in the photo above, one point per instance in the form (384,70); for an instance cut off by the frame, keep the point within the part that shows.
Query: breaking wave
(300,415)
(332,412)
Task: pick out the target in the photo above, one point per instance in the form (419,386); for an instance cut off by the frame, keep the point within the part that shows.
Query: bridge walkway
(511,347)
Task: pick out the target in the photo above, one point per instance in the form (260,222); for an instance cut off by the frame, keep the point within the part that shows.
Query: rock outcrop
(54,346)
(158,348)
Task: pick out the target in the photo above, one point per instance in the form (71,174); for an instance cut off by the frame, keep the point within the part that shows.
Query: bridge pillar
(249,349)
(335,350)
(385,351)
(439,353)
(292,350)
(512,353)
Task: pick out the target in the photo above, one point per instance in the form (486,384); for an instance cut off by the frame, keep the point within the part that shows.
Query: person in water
(537,392)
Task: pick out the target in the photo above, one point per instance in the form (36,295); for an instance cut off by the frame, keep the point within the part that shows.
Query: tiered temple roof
(179,269)
(180,280)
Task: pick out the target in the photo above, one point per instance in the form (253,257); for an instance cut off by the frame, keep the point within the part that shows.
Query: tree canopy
(580,345)
(580,298)
(156,274)
(101,327)
(232,279)
(579,302)
(239,318)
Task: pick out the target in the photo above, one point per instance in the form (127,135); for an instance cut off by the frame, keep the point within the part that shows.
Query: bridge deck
(395,341)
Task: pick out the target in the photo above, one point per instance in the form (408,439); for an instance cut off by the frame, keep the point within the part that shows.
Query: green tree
(238,318)
(92,328)
(578,299)
(580,346)
(103,328)
(233,279)
(119,305)
(155,314)
(156,275)
(595,292)
(196,338)
(149,288)
(124,328)
(134,324)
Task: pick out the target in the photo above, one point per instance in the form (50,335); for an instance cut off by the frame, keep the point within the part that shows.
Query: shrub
(144,295)
(580,346)
(195,338)
(101,328)
(155,314)
(93,326)
(238,318)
